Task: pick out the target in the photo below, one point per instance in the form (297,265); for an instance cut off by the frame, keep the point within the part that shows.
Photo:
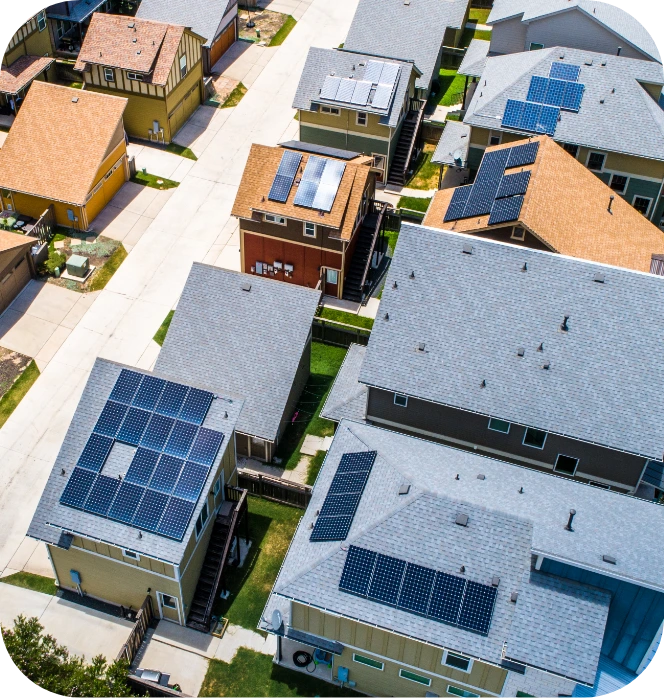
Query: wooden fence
(275,488)
(338,334)
(43,228)
(135,639)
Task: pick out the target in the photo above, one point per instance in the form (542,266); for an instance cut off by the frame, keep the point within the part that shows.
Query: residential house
(144,481)
(360,103)
(592,223)
(540,359)
(16,265)
(236,334)
(414,31)
(69,21)
(423,569)
(291,232)
(65,150)
(511,100)
(156,66)
(215,20)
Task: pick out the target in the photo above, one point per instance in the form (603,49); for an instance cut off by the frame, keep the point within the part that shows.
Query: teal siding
(350,141)
(659,212)
(475,156)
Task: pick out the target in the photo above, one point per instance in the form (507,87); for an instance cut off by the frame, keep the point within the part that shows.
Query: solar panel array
(527,116)
(283,180)
(493,192)
(320,183)
(421,590)
(172,460)
(564,71)
(556,93)
(373,90)
(343,496)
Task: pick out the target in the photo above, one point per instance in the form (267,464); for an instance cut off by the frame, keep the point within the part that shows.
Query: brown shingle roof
(56,145)
(138,45)
(21,71)
(262,165)
(9,240)
(567,208)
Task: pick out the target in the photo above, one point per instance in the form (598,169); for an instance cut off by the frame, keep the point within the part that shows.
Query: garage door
(184,110)
(221,45)
(12,283)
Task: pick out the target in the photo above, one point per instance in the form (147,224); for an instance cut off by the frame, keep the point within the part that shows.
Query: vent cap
(609,558)
(461,520)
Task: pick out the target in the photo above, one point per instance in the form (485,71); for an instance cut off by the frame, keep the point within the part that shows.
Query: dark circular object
(302,659)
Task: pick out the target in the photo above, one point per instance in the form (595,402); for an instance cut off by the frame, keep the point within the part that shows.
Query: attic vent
(406,2)
(608,558)
(138,53)
(467,249)
(599,278)
(461,520)
(74,100)
(546,365)
(588,62)
(481,477)
(495,581)
(514,596)
(421,346)
(131,25)
(246,286)
(404,489)
(520,351)
(133,41)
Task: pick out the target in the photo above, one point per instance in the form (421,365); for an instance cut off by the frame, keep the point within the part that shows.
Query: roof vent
(520,351)
(138,53)
(541,347)
(387,316)
(412,275)
(246,286)
(495,581)
(525,266)
(565,326)
(461,520)
(140,535)
(404,489)
(514,596)
(546,365)
(572,514)
(589,62)
(608,558)
(406,2)
(421,346)
(131,25)
(467,249)
(481,477)
(456,476)
(134,40)
(395,285)
(483,384)
(462,569)
(599,278)
(74,100)
(601,101)
(611,199)
(520,490)
(63,472)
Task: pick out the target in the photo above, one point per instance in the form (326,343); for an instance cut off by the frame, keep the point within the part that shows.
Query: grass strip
(149,180)
(160,335)
(414,203)
(17,392)
(284,30)
(347,318)
(181,151)
(27,580)
(233,99)
(103,276)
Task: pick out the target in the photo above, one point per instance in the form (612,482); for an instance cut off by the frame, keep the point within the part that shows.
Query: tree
(41,659)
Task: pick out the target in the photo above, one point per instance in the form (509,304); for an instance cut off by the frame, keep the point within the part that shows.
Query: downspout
(176,568)
(50,559)
(347,126)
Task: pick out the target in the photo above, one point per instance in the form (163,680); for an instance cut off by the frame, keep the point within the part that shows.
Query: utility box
(77,265)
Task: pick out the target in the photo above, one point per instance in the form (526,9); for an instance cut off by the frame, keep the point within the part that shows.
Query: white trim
(618,174)
(161,606)
(112,72)
(645,198)
(457,654)
(332,111)
(555,465)
(204,524)
(357,661)
(276,219)
(596,152)
(122,562)
(366,119)
(422,683)
(130,554)
(400,395)
(539,448)
(304,229)
(50,559)
(346,131)
(514,236)
(136,76)
(500,431)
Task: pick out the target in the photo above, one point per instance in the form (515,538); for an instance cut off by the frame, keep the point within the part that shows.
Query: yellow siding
(627,163)
(28,41)
(34,206)
(346,121)
(479,136)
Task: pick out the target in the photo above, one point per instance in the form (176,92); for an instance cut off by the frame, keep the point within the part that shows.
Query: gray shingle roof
(322,62)
(412,31)
(202,16)
(51,517)
(347,398)
(475,59)
(505,528)
(613,18)
(455,140)
(239,342)
(627,120)
(605,383)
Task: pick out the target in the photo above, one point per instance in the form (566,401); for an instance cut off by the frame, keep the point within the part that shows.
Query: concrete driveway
(160,162)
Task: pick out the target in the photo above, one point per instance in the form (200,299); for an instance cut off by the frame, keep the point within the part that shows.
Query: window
(565,464)
(271,218)
(183,65)
(642,205)
(361,118)
(572,149)
(369,662)
(131,554)
(536,47)
(400,400)
(596,161)
(330,110)
(169,601)
(41,20)
(461,692)
(202,518)
(499,425)
(135,76)
(457,661)
(618,183)
(109,75)
(332,276)
(494,138)
(518,233)
(414,677)
(534,438)
(309,229)
(217,486)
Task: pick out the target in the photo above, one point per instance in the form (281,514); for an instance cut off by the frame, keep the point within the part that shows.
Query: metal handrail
(379,223)
(418,121)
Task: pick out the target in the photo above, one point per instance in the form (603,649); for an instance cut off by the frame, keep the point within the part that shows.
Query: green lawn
(253,674)
(181,151)
(325,364)
(414,203)
(314,467)
(479,15)
(347,318)
(235,96)
(392,236)
(36,582)
(271,528)
(426,173)
(16,393)
(103,276)
(148,180)
(450,90)
(470,34)
(285,29)
(160,335)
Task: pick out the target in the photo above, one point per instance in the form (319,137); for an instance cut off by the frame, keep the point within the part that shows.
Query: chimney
(572,514)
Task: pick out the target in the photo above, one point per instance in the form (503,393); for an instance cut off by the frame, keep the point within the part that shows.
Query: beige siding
(191,47)
(509,36)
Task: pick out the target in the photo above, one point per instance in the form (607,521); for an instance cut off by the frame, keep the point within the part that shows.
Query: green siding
(475,156)
(641,187)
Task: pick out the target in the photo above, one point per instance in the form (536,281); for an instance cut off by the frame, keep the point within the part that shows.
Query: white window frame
(515,236)
(421,683)
(539,448)
(464,692)
(183,65)
(131,555)
(273,218)
(327,280)
(358,661)
(576,467)
(206,508)
(495,134)
(500,431)
(645,198)
(627,178)
(595,152)
(307,225)
(446,653)
(217,485)
(135,76)
(365,116)
(41,20)
(399,395)
(163,605)
(334,111)
(106,72)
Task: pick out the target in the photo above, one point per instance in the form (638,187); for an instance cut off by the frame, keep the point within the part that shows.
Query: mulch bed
(97,251)
(266,21)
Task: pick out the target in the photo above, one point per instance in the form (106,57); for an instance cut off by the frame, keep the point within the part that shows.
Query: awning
(320,643)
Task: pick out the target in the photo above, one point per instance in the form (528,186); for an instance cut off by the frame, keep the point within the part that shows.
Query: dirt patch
(267,23)
(12,364)
(223,87)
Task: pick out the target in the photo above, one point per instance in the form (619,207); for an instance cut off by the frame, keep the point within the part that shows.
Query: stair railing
(374,237)
(418,121)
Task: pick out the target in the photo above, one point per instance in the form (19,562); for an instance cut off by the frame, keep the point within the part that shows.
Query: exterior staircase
(406,144)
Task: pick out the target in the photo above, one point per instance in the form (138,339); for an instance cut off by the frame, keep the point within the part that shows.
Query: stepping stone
(75,241)
(59,244)
(91,239)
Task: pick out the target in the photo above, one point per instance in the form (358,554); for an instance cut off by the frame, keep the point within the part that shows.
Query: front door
(169,607)
(331,283)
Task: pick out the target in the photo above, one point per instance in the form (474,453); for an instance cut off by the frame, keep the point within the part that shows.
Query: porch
(17,78)
(69,21)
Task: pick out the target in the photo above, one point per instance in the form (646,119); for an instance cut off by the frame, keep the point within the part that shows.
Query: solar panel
(148,393)
(172,399)
(78,487)
(133,426)
(356,462)
(522,155)
(150,510)
(346,89)
(373,70)
(512,114)
(573,96)
(357,571)
(191,481)
(176,517)
(361,92)
(329,528)
(206,446)
(101,495)
(512,184)
(196,406)
(531,117)
(564,71)
(308,187)
(348,482)
(110,418)
(341,504)
(283,180)
(477,607)
(180,440)
(329,185)
(141,467)
(166,473)
(330,87)
(505,210)
(446,597)
(126,502)
(386,579)
(555,92)
(388,75)
(537,89)
(95,452)
(458,203)
(548,120)
(416,588)
(125,386)
(157,432)
(486,183)
(381,98)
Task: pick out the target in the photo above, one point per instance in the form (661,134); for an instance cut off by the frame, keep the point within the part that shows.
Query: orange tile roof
(56,145)
(9,240)
(138,45)
(566,207)
(21,71)
(262,165)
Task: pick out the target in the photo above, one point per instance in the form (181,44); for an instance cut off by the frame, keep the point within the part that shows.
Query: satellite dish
(277,621)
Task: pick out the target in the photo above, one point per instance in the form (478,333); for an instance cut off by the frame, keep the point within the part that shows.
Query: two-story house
(539,359)
(571,95)
(156,66)
(421,569)
(308,217)
(69,20)
(533,207)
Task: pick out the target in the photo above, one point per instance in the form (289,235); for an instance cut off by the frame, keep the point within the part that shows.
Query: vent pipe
(611,198)
(572,514)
